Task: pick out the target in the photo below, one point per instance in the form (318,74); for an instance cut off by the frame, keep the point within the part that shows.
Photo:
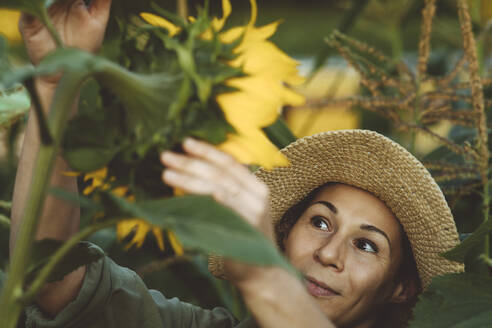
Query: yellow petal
(175,244)
(98,175)
(70,174)
(9,22)
(254,148)
(179,192)
(98,178)
(161,22)
(159,237)
(258,102)
(218,23)
(120,191)
(141,228)
(254,12)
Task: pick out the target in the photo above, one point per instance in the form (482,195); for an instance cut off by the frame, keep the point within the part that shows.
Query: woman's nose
(331,253)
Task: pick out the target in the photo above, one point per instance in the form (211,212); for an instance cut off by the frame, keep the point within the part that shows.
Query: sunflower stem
(10,307)
(51,28)
(182,9)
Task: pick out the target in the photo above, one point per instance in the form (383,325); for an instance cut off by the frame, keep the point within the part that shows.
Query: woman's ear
(404,291)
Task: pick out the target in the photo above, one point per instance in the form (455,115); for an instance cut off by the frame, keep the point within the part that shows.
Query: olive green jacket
(115,297)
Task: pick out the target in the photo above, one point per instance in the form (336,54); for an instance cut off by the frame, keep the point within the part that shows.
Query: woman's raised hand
(79,25)
(206,170)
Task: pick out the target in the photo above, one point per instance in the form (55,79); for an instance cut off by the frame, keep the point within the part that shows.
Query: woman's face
(347,244)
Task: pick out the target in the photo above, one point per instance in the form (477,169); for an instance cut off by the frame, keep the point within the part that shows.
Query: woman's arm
(81,27)
(275,297)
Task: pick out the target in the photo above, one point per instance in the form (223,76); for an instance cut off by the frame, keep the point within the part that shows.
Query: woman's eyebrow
(368,227)
(329,205)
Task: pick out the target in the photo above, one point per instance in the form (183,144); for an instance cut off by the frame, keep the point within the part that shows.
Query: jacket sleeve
(112,296)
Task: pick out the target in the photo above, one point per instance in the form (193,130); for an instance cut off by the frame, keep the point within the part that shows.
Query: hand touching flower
(208,171)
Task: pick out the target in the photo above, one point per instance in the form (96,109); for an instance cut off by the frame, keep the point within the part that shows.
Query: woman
(342,213)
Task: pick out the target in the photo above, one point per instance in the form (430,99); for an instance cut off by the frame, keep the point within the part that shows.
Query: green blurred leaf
(460,252)
(279,134)
(457,300)
(34,7)
(14,101)
(4,240)
(74,198)
(82,254)
(202,224)
(13,105)
(2,278)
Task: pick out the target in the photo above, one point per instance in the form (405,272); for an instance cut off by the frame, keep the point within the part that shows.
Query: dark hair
(396,315)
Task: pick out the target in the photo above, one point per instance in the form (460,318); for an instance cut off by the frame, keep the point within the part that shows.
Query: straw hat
(372,162)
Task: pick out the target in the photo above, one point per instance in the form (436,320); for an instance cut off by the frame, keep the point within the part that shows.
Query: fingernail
(167,156)
(170,175)
(190,142)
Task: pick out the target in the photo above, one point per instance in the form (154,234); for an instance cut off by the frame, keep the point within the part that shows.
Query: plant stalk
(51,28)
(10,307)
(182,9)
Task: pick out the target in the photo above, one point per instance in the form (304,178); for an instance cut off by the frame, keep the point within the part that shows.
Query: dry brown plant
(415,101)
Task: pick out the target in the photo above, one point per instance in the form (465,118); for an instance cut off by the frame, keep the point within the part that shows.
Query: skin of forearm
(59,220)
(277,299)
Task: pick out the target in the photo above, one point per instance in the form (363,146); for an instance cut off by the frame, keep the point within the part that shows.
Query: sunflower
(260,94)
(141,228)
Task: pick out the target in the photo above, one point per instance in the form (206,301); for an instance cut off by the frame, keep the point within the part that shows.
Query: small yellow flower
(261,93)
(9,20)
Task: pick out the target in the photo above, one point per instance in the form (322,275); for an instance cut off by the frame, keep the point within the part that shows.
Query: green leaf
(14,104)
(2,279)
(460,252)
(4,240)
(82,254)
(279,134)
(202,224)
(34,7)
(14,101)
(74,198)
(457,300)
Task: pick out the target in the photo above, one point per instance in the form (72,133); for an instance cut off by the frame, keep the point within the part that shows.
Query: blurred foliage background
(391,26)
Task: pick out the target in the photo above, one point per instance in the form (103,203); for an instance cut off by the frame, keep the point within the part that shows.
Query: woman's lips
(319,289)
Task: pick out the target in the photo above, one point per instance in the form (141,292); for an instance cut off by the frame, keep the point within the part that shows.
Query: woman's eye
(320,223)
(366,245)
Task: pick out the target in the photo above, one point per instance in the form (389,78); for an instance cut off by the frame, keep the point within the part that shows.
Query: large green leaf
(279,134)
(457,300)
(460,252)
(82,254)
(204,225)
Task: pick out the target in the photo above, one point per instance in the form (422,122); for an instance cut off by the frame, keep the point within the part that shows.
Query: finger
(203,170)
(99,9)
(187,183)
(244,203)
(192,166)
(222,160)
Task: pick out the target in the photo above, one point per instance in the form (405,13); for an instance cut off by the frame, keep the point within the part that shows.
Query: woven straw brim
(372,162)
